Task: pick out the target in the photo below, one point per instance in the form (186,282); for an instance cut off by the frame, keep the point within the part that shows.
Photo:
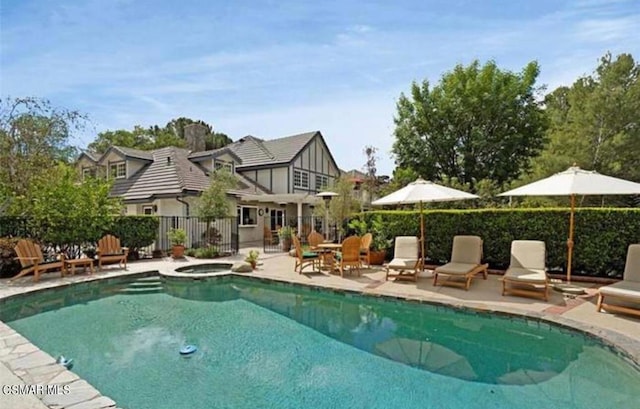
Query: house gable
(313,169)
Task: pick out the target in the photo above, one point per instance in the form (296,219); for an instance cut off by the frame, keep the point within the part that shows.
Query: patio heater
(326,196)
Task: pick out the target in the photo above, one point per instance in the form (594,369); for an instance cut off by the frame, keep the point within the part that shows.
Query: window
(301,179)
(147,210)
(88,172)
(247,215)
(321,182)
(118,170)
(219,164)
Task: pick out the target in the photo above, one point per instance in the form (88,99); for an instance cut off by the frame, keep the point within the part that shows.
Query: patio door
(277,218)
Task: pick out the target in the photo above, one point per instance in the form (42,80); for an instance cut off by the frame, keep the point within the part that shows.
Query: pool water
(268,346)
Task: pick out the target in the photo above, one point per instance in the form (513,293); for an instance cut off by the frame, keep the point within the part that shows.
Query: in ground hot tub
(198,271)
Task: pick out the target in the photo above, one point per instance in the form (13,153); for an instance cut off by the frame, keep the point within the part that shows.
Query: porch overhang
(293,198)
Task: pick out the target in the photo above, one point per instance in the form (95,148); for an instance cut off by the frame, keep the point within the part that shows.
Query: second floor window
(321,182)
(88,172)
(221,164)
(118,170)
(301,179)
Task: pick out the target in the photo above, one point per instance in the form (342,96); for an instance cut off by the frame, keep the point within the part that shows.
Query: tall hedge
(134,231)
(601,235)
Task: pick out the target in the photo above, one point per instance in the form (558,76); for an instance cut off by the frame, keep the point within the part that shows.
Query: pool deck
(22,363)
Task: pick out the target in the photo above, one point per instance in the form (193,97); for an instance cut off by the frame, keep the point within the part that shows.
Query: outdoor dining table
(327,256)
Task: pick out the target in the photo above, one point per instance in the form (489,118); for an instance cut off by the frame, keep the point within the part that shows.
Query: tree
(68,210)
(33,136)
(595,123)
(371,181)
(214,202)
(156,137)
(479,122)
(341,206)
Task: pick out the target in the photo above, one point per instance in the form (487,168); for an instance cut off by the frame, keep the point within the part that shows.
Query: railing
(273,244)
(222,234)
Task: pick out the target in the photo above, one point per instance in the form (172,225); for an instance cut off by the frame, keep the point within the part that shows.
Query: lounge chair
(527,272)
(349,255)
(109,250)
(365,249)
(406,259)
(32,260)
(466,257)
(627,290)
(304,258)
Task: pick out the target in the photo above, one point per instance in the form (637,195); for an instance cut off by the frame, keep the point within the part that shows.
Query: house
(277,179)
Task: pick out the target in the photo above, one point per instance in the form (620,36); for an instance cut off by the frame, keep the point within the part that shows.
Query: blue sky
(276,68)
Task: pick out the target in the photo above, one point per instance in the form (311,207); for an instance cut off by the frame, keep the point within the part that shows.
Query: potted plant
(177,237)
(284,234)
(379,243)
(252,258)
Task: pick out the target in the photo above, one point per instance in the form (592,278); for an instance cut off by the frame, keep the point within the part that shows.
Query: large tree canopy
(479,122)
(595,123)
(33,137)
(155,137)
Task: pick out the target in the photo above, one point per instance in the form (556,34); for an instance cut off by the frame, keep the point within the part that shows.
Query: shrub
(9,266)
(207,252)
(601,235)
(135,231)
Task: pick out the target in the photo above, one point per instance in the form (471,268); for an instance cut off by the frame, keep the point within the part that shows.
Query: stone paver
(29,364)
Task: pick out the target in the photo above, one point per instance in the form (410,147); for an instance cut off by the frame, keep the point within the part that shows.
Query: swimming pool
(266,345)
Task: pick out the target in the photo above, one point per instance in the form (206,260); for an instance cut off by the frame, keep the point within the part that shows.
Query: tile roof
(171,173)
(254,151)
(134,153)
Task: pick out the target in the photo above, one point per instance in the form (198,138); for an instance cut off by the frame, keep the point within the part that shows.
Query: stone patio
(22,363)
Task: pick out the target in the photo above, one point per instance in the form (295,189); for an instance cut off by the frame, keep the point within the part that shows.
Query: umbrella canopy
(575,181)
(422,191)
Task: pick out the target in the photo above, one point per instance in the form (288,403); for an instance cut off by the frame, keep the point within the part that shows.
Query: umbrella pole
(570,241)
(422,236)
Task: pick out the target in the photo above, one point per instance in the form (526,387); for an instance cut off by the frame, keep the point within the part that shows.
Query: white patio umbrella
(575,181)
(422,191)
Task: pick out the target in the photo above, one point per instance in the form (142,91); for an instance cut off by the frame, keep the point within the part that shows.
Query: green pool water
(269,346)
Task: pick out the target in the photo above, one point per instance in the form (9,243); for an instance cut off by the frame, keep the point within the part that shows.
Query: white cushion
(526,275)
(456,268)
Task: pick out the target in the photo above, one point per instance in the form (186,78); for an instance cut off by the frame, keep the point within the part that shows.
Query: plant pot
(286,245)
(377,257)
(177,251)
(253,264)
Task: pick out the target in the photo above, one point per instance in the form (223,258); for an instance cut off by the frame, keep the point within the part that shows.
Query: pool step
(144,285)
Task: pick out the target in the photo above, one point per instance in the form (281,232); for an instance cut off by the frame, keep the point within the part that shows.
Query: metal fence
(272,242)
(222,234)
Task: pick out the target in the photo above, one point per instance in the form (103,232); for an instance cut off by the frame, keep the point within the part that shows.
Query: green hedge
(134,231)
(601,235)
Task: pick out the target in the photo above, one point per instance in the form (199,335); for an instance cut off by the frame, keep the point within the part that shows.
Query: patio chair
(304,258)
(110,250)
(349,256)
(32,260)
(406,259)
(627,290)
(314,239)
(466,257)
(527,272)
(365,249)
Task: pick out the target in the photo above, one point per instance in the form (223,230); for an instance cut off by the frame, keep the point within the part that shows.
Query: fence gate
(271,241)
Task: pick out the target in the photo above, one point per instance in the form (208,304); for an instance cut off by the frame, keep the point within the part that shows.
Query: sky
(282,67)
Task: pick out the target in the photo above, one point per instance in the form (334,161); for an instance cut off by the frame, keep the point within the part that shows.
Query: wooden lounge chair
(32,260)
(365,249)
(406,259)
(626,291)
(304,258)
(527,272)
(466,257)
(349,255)
(110,250)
